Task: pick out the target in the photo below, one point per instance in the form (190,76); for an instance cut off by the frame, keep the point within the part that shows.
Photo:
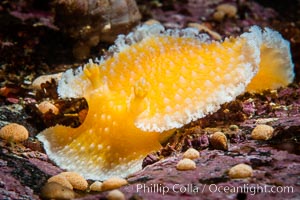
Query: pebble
(60,180)
(240,171)
(14,132)
(54,190)
(233,127)
(46,106)
(113,183)
(151,22)
(186,164)
(229,9)
(96,186)
(225,10)
(191,153)
(76,180)
(262,132)
(115,195)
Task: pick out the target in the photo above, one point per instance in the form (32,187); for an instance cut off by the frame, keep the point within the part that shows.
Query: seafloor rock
(162,180)
(25,169)
(22,177)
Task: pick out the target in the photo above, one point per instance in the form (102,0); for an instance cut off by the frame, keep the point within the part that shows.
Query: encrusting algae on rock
(154,81)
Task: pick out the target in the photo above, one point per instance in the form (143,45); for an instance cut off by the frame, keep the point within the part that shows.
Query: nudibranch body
(275,68)
(156,80)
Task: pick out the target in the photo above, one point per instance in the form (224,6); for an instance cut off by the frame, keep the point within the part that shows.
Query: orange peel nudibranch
(155,81)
